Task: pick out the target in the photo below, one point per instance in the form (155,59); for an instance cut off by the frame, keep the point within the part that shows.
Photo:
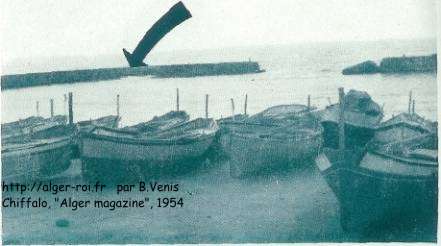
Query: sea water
(292,73)
(292,206)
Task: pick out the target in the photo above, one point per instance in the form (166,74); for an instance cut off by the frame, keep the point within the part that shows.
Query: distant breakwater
(15,81)
(404,64)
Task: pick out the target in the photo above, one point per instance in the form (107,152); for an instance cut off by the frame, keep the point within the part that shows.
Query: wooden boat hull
(248,155)
(111,121)
(361,117)
(39,162)
(113,159)
(355,136)
(23,130)
(160,123)
(101,148)
(372,199)
(120,153)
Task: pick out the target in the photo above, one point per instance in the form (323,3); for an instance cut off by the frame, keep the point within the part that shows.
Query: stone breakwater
(404,64)
(99,74)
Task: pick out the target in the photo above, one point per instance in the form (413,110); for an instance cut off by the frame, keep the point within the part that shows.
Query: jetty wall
(408,64)
(404,64)
(205,69)
(14,81)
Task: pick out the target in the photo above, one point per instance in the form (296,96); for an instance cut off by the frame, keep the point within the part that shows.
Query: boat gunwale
(406,124)
(410,161)
(147,141)
(337,166)
(313,135)
(113,118)
(33,149)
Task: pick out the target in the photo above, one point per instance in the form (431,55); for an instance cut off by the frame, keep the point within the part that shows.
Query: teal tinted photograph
(218,122)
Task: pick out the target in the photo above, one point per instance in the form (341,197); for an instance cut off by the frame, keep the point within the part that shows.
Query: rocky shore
(404,64)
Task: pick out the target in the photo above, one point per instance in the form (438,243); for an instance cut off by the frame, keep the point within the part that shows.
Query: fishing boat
(403,126)
(233,118)
(279,137)
(217,150)
(45,147)
(136,153)
(361,117)
(159,123)
(35,159)
(391,182)
(16,125)
(111,121)
(20,130)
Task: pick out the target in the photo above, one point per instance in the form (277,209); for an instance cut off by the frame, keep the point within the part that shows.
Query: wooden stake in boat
(52,107)
(410,103)
(309,102)
(206,106)
(329,100)
(117,105)
(246,104)
(65,104)
(70,102)
(341,122)
(37,108)
(232,107)
(413,107)
(177,99)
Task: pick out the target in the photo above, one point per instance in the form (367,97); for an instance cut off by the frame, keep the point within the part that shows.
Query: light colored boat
(111,121)
(283,136)
(403,126)
(46,149)
(35,159)
(121,151)
(16,125)
(21,130)
(159,123)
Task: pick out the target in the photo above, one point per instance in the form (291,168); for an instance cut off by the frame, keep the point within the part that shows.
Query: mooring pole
(232,107)
(410,103)
(329,100)
(52,107)
(246,104)
(341,122)
(37,108)
(70,102)
(206,106)
(117,105)
(413,107)
(177,99)
(309,102)
(65,104)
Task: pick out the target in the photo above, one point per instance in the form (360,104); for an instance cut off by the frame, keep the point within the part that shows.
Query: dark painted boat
(283,136)
(134,153)
(390,183)
(361,117)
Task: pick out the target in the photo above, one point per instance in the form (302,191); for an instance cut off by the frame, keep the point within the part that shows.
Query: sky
(44,28)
